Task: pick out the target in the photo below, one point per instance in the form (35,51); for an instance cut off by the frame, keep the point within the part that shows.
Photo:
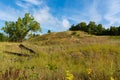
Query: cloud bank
(106,12)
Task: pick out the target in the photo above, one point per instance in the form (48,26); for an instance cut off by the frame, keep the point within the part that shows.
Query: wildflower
(89,71)
(111,78)
(69,76)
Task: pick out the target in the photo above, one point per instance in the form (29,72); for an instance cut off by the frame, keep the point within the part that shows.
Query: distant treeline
(93,28)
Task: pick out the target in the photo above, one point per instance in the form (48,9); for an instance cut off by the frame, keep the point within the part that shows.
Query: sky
(59,15)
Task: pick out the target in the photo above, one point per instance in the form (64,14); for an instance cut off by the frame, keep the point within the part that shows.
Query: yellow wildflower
(89,71)
(111,78)
(69,76)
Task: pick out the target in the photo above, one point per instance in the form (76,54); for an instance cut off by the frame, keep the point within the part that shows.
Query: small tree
(49,31)
(18,30)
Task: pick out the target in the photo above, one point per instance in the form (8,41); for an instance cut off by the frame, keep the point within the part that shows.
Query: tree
(18,30)
(113,30)
(82,26)
(100,29)
(92,27)
(73,28)
(119,30)
(3,37)
(49,31)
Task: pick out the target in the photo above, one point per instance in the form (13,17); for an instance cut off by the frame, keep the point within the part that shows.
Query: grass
(115,37)
(83,56)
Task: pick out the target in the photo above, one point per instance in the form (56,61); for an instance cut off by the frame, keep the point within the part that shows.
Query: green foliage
(31,35)
(73,28)
(3,37)
(49,31)
(18,30)
(113,30)
(51,67)
(93,28)
(100,29)
(80,26)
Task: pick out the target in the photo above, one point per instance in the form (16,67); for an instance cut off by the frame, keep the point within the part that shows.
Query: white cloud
(9,13)
(89,12)
(34,2)
(113,12)
(45,18)
(48,21)
(43,15)
(66,23)
(93,12)
(106,12)
(22,5)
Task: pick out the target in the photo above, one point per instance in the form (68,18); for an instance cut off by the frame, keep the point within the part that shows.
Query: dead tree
(26,48)
(17,54)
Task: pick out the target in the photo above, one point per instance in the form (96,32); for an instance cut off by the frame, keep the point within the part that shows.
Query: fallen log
(17,54)
(26,48)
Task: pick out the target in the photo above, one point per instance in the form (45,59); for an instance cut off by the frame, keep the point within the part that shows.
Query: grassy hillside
(62,56)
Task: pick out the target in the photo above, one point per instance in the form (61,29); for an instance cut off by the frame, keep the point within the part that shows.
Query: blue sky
(59,15)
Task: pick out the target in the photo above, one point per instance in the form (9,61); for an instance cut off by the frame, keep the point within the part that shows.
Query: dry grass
(86,57)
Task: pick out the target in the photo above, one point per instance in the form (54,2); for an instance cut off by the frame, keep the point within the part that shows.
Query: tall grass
(86,58)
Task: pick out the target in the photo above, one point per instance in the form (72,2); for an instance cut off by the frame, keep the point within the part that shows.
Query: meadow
(69,55)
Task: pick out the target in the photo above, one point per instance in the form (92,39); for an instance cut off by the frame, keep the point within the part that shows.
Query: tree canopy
(17,31)
(93,28)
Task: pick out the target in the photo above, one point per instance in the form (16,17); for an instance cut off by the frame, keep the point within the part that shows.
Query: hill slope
(82,55)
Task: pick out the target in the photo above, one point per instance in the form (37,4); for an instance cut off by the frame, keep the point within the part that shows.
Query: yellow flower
(89,71)
(111,78)
(69,76)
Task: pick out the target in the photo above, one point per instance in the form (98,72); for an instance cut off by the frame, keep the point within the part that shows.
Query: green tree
(3,37)
(119,30)
(73,28)
(113,30)
(49,31)
(18,30)
(96,29)
(82,26)
(100,29)
(92,27)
